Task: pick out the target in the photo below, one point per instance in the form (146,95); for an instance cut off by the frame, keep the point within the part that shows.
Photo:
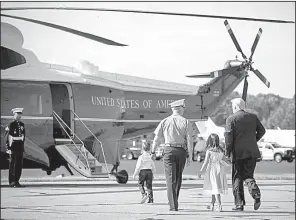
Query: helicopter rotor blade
(69,30)
(261,77)
(207,75)
(255,42)
(245,89)
(234,39)
(146,12)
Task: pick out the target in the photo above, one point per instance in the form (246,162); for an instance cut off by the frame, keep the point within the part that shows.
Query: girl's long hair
(213,143)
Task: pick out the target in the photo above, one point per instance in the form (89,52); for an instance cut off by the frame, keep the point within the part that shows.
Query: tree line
(272,110)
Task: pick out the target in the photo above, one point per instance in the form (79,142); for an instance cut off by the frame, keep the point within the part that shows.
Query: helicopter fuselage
(113,106)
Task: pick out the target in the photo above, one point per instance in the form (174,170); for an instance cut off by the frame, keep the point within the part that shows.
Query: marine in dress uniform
(15,146)
(243,131)
(175,132)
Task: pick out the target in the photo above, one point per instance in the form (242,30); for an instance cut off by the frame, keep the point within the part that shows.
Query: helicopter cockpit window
(10,58)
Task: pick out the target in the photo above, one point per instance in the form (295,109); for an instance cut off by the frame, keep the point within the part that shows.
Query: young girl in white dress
(214,169)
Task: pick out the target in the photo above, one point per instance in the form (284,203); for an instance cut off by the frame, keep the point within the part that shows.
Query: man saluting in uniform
(15,132)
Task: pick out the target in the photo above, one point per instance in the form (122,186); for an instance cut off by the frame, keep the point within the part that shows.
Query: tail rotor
(248,62)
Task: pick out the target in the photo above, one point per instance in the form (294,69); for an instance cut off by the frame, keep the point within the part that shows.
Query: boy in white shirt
(146,169)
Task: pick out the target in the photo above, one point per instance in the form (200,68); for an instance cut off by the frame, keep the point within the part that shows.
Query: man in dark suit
(243,131)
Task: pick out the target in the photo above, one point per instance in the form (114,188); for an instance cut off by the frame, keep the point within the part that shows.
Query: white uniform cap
(239,102)
(17,110)
(177,103)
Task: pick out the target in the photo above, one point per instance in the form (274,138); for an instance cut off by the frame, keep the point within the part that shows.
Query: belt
(17,138)
(174,145)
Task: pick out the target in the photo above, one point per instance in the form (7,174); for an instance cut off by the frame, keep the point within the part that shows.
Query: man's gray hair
(239,103)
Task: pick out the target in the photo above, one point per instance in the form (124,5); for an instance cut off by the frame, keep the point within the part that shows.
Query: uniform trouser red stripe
(15,166)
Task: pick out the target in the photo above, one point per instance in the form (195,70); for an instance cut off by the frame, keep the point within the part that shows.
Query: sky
(167,47)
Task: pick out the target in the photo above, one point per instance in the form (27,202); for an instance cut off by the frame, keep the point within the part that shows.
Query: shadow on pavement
(134,184)
(92,185)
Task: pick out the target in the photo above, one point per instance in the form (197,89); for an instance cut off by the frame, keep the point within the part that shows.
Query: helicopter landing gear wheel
(121,176)
(130,156)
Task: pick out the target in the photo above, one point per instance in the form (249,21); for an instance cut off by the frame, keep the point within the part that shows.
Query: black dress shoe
(238,208)
(18,185)
(173,209)
(257,203)
(150,201)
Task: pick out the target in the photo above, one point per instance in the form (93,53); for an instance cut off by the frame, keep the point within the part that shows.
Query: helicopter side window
(10,58)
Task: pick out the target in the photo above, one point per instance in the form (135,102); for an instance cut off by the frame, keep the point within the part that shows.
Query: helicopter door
(62,103)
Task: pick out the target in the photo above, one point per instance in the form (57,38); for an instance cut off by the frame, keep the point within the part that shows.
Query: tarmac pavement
(108,200)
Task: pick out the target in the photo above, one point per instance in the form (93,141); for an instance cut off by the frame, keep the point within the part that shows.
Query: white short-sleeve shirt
(173,129)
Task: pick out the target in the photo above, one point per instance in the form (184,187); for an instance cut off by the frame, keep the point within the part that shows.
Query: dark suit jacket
(243,131)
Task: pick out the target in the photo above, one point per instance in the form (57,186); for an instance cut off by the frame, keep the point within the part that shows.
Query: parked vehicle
(199,150)
(199,156)
(132,153)
(274,151)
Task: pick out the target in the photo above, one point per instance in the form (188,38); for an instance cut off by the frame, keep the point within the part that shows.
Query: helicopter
(78,120)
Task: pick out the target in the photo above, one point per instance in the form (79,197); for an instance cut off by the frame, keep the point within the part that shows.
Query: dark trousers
(146,175)
(174,160)
(243,170)
(15,166)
